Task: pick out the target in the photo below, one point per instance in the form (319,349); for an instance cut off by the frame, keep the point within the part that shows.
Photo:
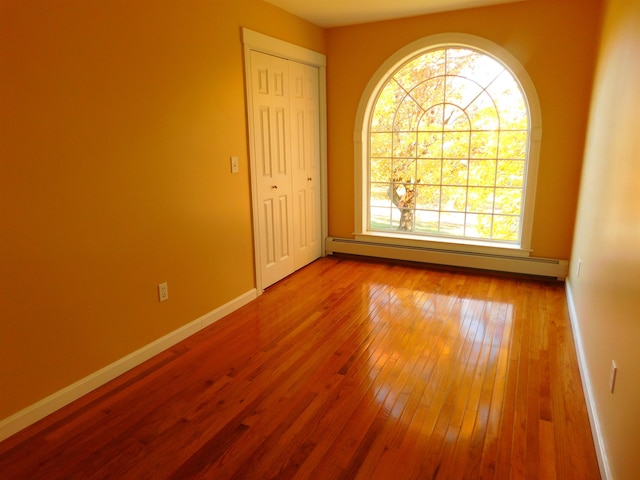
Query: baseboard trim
(547,267)
(603,462)
(28,416)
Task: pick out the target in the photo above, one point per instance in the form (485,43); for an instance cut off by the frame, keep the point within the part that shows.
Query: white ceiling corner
(335,13)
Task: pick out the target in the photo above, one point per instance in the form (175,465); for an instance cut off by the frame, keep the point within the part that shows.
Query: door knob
(274,187)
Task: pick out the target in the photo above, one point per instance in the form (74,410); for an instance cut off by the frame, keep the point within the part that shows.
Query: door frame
(254,41)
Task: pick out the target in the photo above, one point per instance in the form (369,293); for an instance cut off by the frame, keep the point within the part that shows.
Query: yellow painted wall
(554,40)
(607,239)
(117,121)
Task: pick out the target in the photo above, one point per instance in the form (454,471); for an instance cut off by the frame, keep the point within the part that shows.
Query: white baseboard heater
(545,267)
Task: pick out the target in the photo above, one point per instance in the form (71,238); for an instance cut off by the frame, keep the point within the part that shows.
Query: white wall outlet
(612,376)
(163,292)
(235,167)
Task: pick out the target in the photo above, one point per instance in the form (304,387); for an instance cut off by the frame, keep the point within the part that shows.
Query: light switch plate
(612,376)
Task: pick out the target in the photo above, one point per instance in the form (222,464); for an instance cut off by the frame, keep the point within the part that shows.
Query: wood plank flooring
(347,369)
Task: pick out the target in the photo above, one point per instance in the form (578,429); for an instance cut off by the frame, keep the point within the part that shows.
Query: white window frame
(361,146)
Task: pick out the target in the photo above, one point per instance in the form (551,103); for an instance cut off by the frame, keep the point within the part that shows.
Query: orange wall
(554,40)
(118,119)
(606,294)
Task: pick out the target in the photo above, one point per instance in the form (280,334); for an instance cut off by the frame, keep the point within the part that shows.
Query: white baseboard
(50,404)
(603,462)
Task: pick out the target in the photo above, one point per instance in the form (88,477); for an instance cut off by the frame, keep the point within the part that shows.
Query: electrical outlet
(612,376)
(163,292)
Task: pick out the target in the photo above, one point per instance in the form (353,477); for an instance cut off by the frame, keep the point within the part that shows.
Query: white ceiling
(334,13)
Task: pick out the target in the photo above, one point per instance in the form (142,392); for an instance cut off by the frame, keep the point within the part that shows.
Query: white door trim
(273,46)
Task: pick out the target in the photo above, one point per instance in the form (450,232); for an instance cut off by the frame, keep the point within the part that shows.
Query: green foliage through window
(448,144)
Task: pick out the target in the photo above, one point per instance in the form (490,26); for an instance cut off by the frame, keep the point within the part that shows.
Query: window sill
(444,244)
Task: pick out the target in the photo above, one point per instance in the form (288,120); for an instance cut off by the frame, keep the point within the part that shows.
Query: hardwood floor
(345,370)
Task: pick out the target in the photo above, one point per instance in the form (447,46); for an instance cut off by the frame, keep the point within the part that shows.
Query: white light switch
(612,376)
(235,168)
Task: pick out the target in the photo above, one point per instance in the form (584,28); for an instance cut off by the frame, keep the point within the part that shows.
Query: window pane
(404,170)
(480,200)
(428,198)
(429,171)
(483,114)
(484,70)
(421,68)
(381,144)
(505,227)
(461,91)
(455,119)
(484,145)
(460,60)
(510,173)
(383,114)
(510,101)
(380,170)
(508,200)
(513,144)
(455,172)
(482,172)
(484,225)
(404,194)
(431,121)
(427,222)
(454,198)
(452,223)
(380,195)
(404,144)
(407,115)
(478,226)
(396,220)
(429,93)
(456,145)
(429,145)
(380,218)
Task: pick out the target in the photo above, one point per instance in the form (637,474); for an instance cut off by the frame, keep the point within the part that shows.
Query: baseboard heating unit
(545,267)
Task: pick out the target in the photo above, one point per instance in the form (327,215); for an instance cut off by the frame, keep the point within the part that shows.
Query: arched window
(449,138)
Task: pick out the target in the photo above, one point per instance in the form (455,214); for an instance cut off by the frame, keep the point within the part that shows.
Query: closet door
(305,150)
(272,165)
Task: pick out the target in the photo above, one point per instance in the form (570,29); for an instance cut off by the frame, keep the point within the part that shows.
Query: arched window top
(453,87)
(447,138)
(443,41)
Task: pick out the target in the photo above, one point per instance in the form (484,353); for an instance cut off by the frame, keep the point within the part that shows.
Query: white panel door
(271,130)
(305,151)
